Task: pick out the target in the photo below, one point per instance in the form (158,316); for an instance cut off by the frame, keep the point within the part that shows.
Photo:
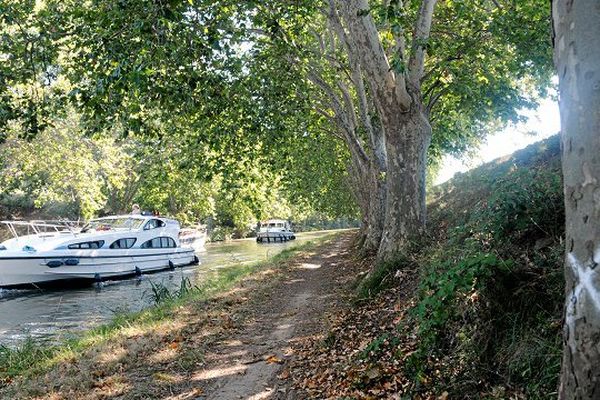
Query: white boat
(105,248)
(275,230)
(193,237)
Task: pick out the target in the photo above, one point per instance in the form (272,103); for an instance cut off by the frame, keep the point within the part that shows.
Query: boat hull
(275,236)
(17,271)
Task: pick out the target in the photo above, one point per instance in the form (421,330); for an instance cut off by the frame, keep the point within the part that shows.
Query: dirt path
(253,362)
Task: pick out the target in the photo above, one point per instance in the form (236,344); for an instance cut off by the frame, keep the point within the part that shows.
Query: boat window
(153,224)
(125,243)
(87,245)
(105,224)
(158,243)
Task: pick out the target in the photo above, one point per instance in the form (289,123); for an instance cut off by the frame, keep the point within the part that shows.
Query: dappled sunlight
(330,255)
(292,281)
(168,378)
(164,355)
(163,328)
(114,385)
(194,346)
(309,266)
(232,343)
(229,356)
(219,372)
(193,393)
(113,356)
(262,395)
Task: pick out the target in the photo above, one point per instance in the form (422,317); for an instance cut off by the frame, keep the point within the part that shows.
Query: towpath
(254,362)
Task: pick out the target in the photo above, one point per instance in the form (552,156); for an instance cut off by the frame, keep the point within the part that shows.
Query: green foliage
(488,64)
(524,201)
(445,289)
(62,171)
(15,360)
(159,293)
(209,134)
(382,275)
(492,289)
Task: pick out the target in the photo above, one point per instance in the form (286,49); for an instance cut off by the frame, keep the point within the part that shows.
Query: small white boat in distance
(274,230)
(105,248)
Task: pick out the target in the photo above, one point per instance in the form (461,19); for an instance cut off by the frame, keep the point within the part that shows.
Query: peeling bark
(577,57)
(407,144)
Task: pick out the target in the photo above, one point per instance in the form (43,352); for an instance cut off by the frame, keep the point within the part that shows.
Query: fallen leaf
(273,360)
(284,375)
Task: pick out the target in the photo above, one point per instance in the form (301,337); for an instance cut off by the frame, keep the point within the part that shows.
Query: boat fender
(171,265)
(196,260)
(138,271)
(97,278)
(71,261)
(54,263)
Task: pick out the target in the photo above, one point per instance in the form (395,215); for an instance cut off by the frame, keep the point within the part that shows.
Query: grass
(33,358)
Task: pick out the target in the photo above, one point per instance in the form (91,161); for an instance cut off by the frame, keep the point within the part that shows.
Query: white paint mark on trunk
(583,275)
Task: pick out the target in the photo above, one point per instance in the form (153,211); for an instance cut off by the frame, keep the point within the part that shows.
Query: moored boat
(274,230)
(105,248)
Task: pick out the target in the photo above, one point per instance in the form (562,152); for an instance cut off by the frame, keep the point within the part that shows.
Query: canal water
(53,315)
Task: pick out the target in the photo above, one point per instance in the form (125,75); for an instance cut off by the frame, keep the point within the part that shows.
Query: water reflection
(54,315)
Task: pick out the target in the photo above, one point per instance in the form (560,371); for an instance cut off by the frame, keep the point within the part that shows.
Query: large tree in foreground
(577,53)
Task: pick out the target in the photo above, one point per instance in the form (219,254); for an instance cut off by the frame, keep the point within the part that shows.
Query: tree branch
(420,37)
(356,72)
(372,55)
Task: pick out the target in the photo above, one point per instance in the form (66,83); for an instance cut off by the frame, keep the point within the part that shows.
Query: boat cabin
(275,230)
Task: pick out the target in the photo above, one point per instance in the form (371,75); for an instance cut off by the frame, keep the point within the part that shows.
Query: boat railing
(39,227)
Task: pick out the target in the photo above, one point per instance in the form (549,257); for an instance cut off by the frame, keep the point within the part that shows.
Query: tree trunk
(577,56)
(378,190)
(376,211)
(407,139)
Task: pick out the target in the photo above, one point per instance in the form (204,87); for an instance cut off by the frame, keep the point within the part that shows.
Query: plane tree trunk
(577,57)
(408,138)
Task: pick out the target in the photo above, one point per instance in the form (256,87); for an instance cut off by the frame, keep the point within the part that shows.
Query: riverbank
(238,324)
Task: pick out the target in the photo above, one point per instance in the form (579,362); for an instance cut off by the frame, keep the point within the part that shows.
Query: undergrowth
(488,306)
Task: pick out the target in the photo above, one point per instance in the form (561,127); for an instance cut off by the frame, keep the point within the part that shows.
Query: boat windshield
(271,225)
(107,224)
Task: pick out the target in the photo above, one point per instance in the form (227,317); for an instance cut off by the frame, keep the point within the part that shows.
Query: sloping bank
(474,310)
(153,345)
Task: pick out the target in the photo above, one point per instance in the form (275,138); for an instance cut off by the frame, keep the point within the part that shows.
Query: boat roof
(134,216)
(141,217)
(269,221)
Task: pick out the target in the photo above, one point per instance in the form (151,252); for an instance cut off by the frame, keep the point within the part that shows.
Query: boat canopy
(114,223)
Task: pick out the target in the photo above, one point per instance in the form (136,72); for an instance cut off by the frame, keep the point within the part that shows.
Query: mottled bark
(376,211)
(407,139)
(577,56)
